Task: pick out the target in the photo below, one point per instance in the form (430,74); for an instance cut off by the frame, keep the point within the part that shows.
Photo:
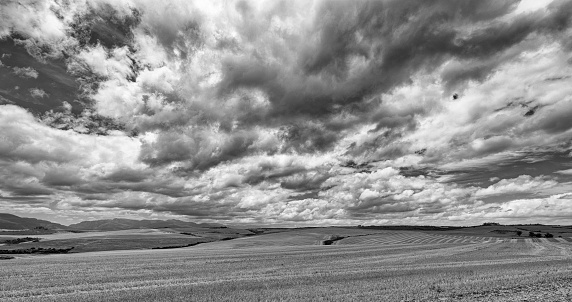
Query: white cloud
(567,172)
(527,6)
(25,72)
(368,194)
(162,79)
(38,93)
(523,183)
(33,18)
(119,99)
(27,140)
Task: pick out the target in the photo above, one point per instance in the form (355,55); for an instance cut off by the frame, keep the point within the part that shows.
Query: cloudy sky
(287,112)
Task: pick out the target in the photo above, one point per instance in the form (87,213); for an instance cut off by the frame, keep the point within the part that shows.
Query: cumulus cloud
(523,183)
(26,72)
(38,93)
(567,171)
(48,156)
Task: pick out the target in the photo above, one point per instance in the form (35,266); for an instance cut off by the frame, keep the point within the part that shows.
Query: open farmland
(364,266)
(90,241)
(113,240)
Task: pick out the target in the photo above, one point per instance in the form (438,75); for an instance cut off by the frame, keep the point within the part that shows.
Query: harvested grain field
(388,266)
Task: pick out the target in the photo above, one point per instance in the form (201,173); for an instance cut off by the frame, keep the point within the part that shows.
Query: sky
(287,113)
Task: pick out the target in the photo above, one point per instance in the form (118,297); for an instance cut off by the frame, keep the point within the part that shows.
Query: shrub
(331,239)
(21,240)
(518,233)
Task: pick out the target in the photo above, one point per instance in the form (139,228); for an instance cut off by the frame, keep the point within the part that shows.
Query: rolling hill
(13,222)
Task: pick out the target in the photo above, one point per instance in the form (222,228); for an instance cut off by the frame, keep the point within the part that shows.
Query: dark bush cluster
(21,240)
(37,250)
(256,231)
(539,235)
(331,239)
(175,246)
(533,234)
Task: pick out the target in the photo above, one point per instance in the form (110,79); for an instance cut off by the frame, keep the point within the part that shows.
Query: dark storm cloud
(533,163)
(202,211)
(394,40)
(27,189)
(27,199)
(392,57)
(246,72)
(304,182)
(120,180)
(61,176)
(127,174)
(215,208)
(307,137)
(385,210)
(198,150)
(266,171)
(177,28)
(460,72)
(554,120)
(309,195)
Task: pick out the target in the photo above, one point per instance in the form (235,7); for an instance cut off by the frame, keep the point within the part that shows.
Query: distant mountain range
(13,222)
(126,224)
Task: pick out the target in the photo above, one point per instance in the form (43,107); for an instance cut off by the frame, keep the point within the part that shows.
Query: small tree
(548,235)
(518,233)
(531,234)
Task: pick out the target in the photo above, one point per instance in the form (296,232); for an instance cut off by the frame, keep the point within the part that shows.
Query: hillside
(126,224)
(13,222)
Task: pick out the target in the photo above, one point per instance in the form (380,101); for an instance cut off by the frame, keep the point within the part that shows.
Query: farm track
(400,266)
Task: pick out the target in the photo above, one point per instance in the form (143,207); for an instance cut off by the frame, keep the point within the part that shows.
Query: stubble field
(291,266)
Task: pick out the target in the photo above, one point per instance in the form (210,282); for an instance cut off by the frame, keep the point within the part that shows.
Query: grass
(406,266)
